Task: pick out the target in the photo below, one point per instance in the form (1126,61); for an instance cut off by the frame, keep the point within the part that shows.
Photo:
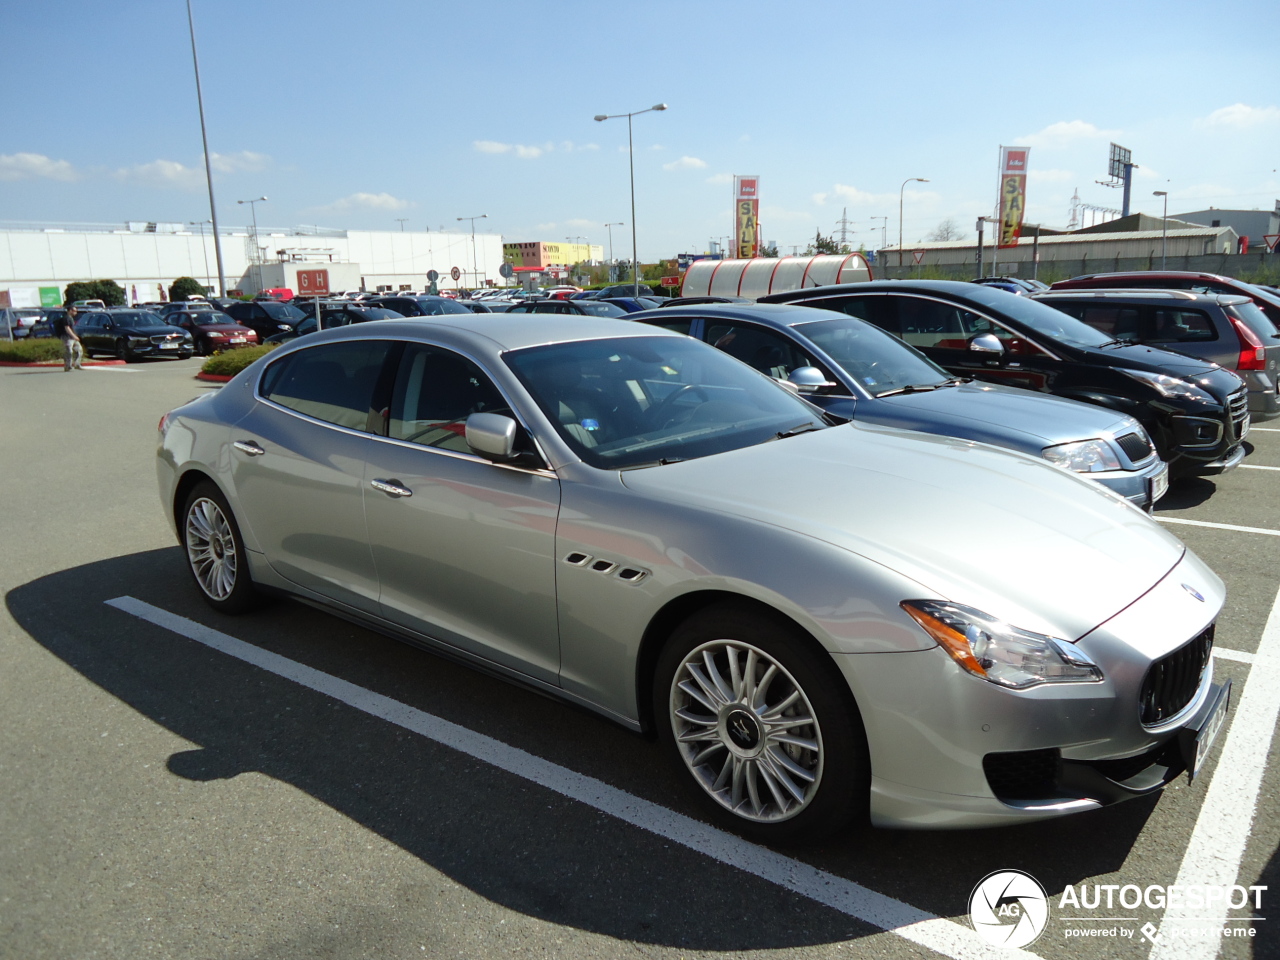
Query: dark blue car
(856,370)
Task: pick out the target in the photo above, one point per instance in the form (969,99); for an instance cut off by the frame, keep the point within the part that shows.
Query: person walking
(72,349)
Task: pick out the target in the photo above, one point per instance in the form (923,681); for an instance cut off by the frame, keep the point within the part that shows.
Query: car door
(464,547)
(298,463)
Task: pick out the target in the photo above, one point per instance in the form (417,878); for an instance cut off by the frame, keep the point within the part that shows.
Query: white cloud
(163,173)
(1065,132)
(34,166)
(521,150)
(370,201)
(820,199)
(246,161)
(1050,176)
(685,163)
(1241,116)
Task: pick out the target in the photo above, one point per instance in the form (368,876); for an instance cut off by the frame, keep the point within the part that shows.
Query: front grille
(1136,446)
(1022,775)
(1172,681)
(166,338)
(1238,405)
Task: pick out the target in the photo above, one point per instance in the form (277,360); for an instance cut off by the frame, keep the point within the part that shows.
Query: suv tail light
(1253,355)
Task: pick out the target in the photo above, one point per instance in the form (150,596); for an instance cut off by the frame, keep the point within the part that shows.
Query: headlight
(1083,456)
(139,341)
(1169,386)
(999,652)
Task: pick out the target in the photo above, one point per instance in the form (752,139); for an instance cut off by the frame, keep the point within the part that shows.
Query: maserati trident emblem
(1193,591)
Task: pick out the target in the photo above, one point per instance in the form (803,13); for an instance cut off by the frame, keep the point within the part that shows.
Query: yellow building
(545,256)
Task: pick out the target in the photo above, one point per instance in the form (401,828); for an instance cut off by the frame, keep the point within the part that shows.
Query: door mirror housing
(491,435)
(808,380)
(986,343)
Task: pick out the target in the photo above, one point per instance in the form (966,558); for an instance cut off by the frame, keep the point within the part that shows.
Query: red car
(213,331)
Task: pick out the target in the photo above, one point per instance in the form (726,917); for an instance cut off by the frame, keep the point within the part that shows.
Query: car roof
(495,332)
(1108,293)
(770,314)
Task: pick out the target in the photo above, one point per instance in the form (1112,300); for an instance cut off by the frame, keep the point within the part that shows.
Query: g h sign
(313,283)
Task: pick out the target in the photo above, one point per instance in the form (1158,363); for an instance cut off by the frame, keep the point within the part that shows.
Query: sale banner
(746,217)
(1013,193)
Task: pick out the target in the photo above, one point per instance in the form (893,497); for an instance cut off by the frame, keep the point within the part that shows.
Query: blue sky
(353,115)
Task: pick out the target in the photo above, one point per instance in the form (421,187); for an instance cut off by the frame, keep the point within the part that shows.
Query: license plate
(168,346)
(237,339)
(1160,484)
(1244,427)
(1196,744)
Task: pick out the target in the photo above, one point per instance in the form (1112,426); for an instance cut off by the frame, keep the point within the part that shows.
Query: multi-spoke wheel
(215,551)
(762,724)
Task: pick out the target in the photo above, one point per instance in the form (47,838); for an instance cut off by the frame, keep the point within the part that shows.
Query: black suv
(131,335)
(1196,412)
(266,318)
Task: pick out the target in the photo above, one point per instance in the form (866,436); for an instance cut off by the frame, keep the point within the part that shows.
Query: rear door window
(333,382)
(1179,325)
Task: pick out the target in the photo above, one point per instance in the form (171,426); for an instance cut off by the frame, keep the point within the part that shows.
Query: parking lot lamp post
(631,159)
(613,266)
(208,169)
(203,246)
(257,250)
(474,269)
(402,221)
(901,191)
(1164,228)
(884,230)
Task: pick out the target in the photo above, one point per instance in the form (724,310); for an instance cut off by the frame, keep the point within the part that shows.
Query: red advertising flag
(1013,193)
(746,217)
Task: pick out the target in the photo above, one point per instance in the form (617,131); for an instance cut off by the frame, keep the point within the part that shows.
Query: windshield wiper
(805,427)
(914,388)
(660,462)
(1122,342)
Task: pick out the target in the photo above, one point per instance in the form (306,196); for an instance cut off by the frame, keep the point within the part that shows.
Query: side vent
(603,566)
(577,559)
(631,575)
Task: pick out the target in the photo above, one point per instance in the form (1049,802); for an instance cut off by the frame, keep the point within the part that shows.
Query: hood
(1140,357)
(149,329)
(1006,533)
(995,414)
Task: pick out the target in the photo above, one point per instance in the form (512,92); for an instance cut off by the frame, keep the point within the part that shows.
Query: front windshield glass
(211,319)
(1038,317)
(137,319)
(879,361)
(597,308)
(281,311)
(640,401)
(434,308)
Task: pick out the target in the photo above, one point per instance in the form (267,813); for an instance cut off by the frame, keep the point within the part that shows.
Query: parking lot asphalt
(174,783)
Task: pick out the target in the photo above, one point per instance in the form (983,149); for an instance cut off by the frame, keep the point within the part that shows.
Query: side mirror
(808,380)
(491,435)
(986,343)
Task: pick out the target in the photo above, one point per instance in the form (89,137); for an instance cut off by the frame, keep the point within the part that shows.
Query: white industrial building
(144,257)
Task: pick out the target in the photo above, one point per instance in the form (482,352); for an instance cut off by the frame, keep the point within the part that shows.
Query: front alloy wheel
(746,731)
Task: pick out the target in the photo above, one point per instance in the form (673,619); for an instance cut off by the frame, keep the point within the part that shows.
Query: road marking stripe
(1226,817)
(943,936)
(1255,466)
(1237,655)
(1220,526)
(1265,429)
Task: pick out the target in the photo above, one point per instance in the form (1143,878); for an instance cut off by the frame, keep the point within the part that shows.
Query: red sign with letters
(313,283)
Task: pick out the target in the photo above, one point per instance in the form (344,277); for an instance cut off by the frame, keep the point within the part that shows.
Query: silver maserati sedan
(824,621)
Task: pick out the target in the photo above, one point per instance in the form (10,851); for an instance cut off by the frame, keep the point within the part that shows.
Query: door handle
(249,447)
(392,488)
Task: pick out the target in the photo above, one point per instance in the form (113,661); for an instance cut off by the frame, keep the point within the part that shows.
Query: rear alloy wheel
(762,725)
(215,551)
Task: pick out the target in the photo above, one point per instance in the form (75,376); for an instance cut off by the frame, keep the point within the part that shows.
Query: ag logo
(1009,908)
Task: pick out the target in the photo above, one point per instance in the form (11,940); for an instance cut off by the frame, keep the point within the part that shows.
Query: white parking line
(1219,526)
(1254,466)
(1265,429)
(1239,656)
(943,936)
(1226,817)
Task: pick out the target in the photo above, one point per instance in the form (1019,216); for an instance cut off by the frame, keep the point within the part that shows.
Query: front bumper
(1142,486)
(931,726)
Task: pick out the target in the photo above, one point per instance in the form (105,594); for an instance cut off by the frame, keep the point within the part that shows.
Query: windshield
(878,361)
(1037,316)
(1253,317)
(280,311)
(1268,299)
(596,308)
(434,308)
(212,319)
(641,401)
(137,319)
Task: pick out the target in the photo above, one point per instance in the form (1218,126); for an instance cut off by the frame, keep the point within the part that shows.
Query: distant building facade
(1254,224)
(538,256)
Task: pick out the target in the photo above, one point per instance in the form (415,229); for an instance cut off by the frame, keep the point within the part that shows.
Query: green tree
(108,291)
(823,244)
(184,287)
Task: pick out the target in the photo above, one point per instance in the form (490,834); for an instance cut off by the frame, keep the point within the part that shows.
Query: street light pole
(208,168)
(612,263)
(402,221)
(257,250)
(901,191)
(631,159)
(884,230)
(474,269)
(1164,228)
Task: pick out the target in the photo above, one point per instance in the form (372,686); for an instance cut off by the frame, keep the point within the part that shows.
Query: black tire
(215,553)
(122,351)
(838,793)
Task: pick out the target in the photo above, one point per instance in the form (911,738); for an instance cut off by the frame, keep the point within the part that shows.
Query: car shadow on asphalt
(1186,493)
(507,840)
